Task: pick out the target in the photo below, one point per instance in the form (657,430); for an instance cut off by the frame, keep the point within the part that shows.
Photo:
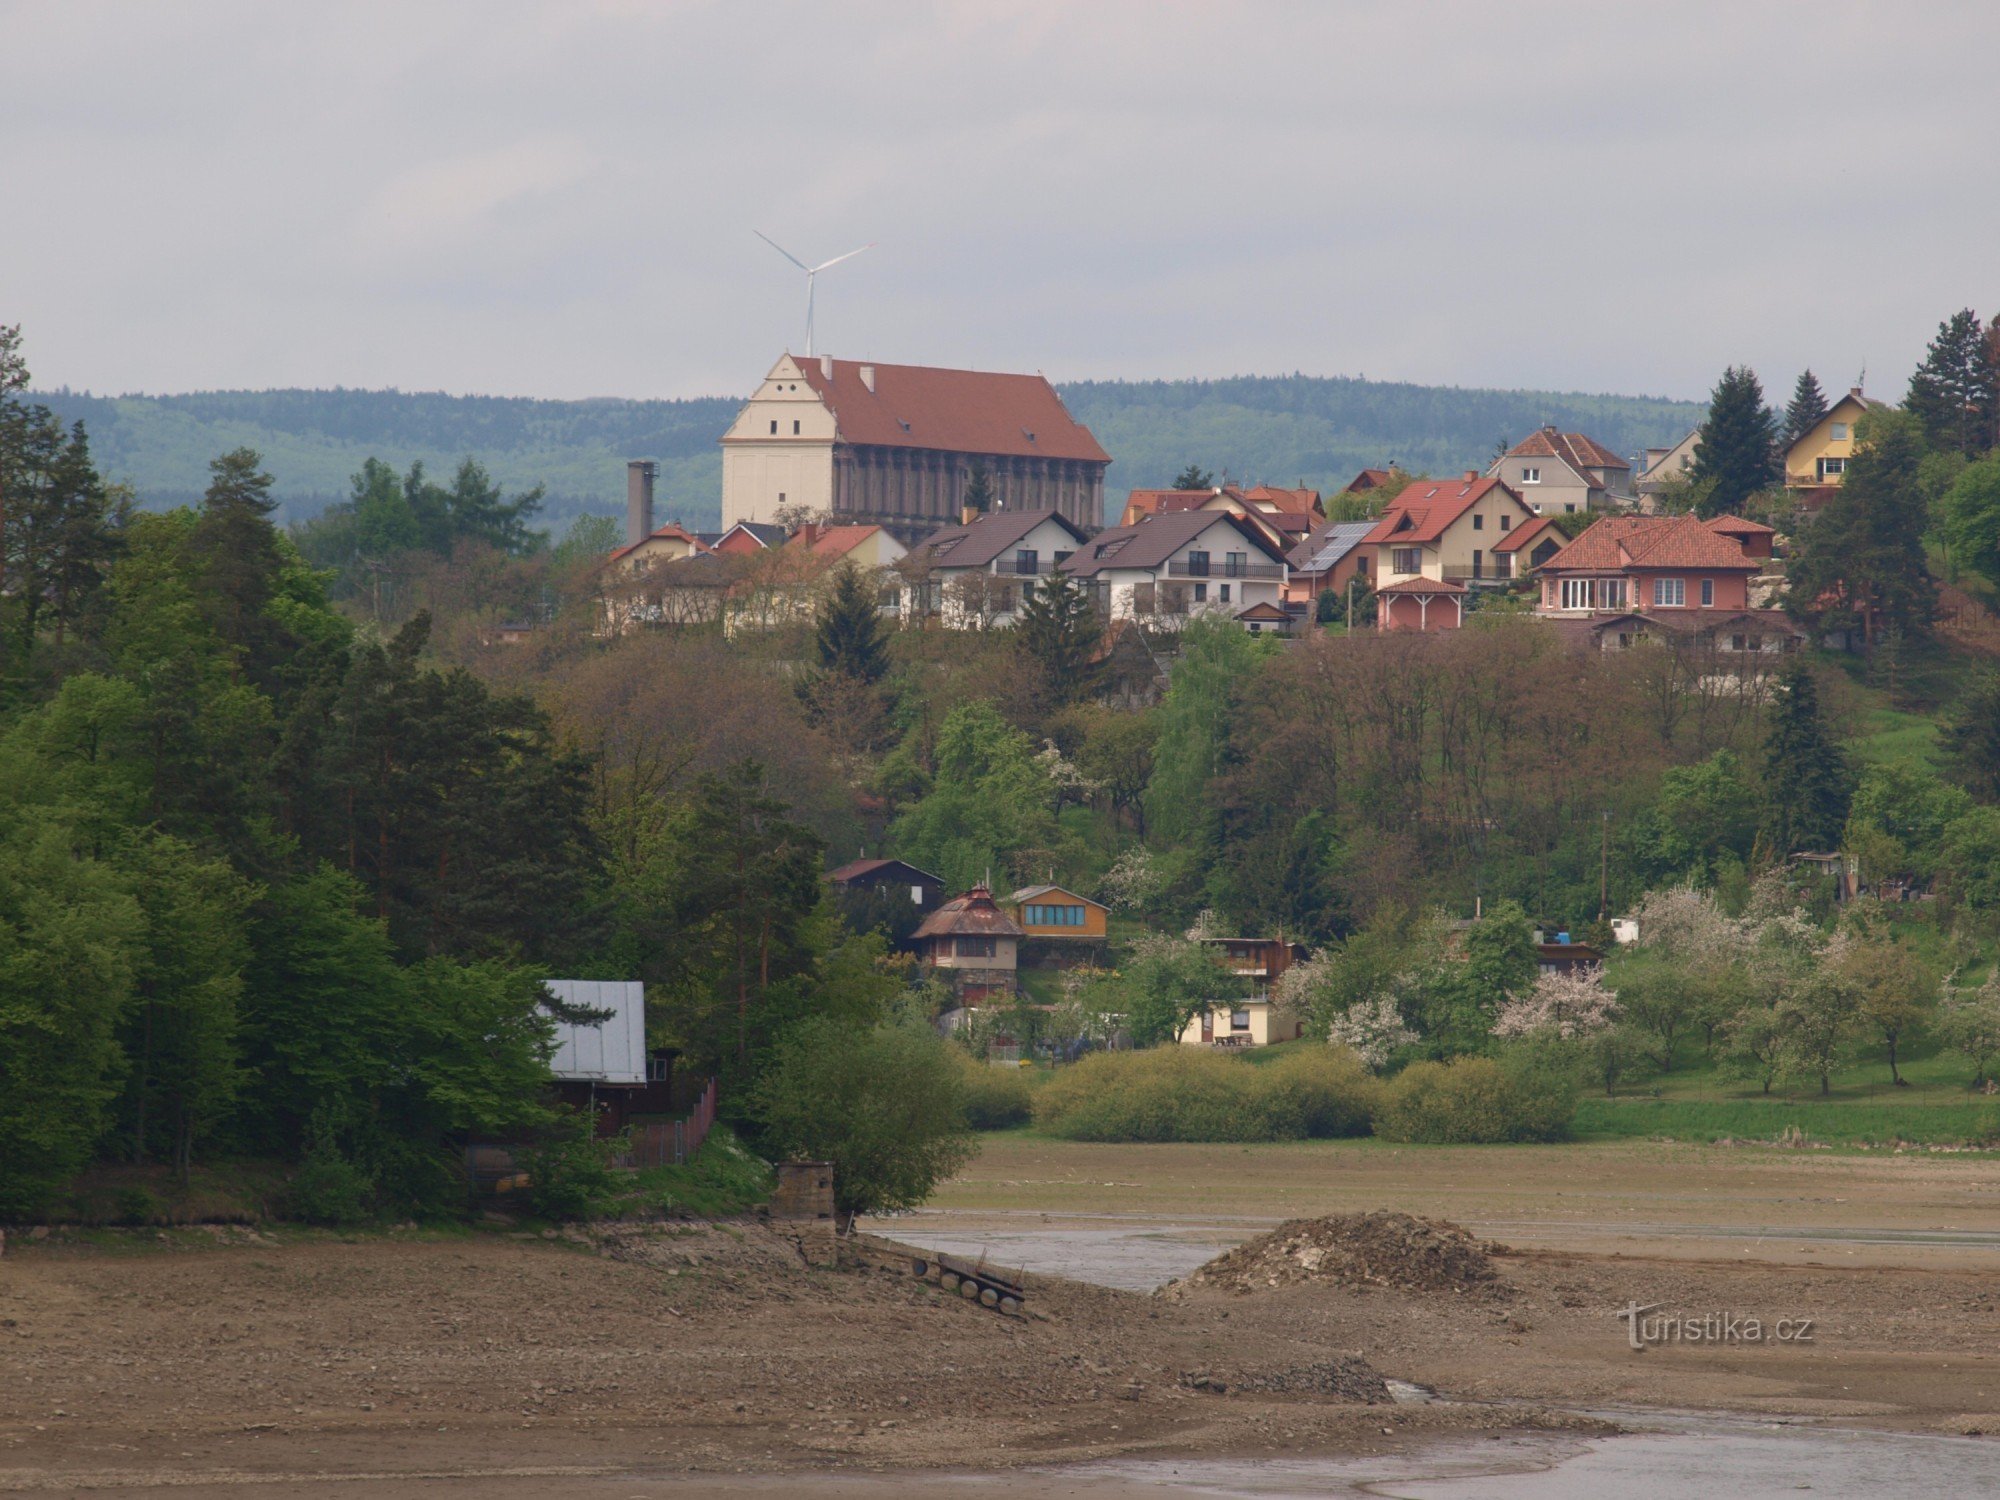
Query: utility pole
(1604,866)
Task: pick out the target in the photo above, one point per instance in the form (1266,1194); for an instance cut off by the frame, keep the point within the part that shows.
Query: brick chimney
(639,476)
(1472,476)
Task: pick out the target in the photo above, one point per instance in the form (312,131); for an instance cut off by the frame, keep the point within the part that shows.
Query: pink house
(1647,564)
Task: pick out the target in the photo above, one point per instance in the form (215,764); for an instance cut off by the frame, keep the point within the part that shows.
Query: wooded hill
(1281,430)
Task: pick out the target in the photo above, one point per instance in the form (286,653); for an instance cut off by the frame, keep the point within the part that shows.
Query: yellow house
(1820,456)
(1049,911)
(1241,1023)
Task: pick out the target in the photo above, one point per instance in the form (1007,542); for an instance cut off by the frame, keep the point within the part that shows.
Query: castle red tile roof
(1573,448)
(958,411)
(1649,542)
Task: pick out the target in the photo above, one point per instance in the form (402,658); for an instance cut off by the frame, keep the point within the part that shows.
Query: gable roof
(1426,509)
(1263,610)
(1036,892)
(1738,526)
(1157,538)
(1423,586)
(1619,542)
(958,411)
(671,532)
(861,869)
(757,534)
(1528,531)
(1142,503)
(1368,479)
(976,543)
(1280,498)
(832,541)
(973,913)
(1327,546)
(1573,448)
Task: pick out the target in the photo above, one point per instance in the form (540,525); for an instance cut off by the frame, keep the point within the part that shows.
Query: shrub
(995,1098)
(1476,1100)
(569,1169)
(135,1206)
(1187,1094)
(329,1189)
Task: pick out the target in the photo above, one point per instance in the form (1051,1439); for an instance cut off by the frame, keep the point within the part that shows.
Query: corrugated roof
(608,1051)
(855,869)
(978,543)
(1619,542)
(958,411)
(973,913)
(1157,538)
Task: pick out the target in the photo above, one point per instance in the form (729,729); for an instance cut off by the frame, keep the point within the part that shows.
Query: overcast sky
(558,199)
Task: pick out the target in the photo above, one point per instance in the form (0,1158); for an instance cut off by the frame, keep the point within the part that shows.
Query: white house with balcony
(1170,568)
(980,573)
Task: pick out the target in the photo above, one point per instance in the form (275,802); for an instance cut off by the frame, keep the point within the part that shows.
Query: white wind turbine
(811,273)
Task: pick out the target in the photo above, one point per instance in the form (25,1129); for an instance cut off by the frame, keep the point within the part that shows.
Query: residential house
(896,445)
(1528,546)
(1327,559)
(670,543)
(1259,961)
(1559,955)
(784,583)
(746,538)
(667,577)
(1284,516)
(1179,564)
(1745,635)
(1265,618)
(1647,563)
(890,877)
(1563,472)
(1447,531)
(1254,1020)
(1664,466)
(981,571)
(972,943)
(1817,458)
(1371,479)
(1058,927)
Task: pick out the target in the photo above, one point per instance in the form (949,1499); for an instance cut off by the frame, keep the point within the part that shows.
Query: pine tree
(849,635)
(1058,629)
(1955,392)
(978,491)
(1807,784)
(1737,448)
(238,558)
(1861,560)
(1194,477)
(1807,410)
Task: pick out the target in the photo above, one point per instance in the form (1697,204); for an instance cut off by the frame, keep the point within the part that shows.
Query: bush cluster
(1473,1100)
(995,1098)
(1183,1094)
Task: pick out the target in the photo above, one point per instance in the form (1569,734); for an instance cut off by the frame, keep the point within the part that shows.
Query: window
(1225,593)
(1478,521)
(774,427)
(1531,476)
(1736,643)
(1239,1019)
(1576,593)
(1503,565)
(1063,557)
(1478,564)
(1537,507)
(1027,591)
(1361,565)
(1670,593)
(1235,564)
(1406,560)
(1838,432)
(1611,593)
(976,947)
(1707,591)
(1197,564)
(1569,510)
(916,895)
(1054,916)
(1832,468)
(1201,593)
(1506,521)
(1027,562)
(795,427)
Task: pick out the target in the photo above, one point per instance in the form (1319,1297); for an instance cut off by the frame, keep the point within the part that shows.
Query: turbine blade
(781,250)
(839,258)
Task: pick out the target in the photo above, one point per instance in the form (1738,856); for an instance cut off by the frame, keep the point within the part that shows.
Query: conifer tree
(1194,477)
(1955,392)
(978,491)
(1058,629)
(1807,410)
(1737,448)
(1807,784)
(849,635)
(1861,560)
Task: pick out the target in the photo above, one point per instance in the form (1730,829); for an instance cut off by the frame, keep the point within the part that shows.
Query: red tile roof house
(1284,516)
(973,943)
(1448,531)
(1564,472)
(1327,559)
(1647,563)
(1531,545)
(978,574)
(1175,565)
(1753,537)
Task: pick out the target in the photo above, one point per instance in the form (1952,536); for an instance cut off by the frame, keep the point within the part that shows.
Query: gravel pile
(1371,1249)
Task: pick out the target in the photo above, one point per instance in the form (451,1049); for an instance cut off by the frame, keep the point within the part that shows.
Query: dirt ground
(498,1363)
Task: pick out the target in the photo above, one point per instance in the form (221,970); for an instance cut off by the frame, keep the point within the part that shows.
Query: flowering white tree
(1373,1030)
(1570,1003)
(1969,1022)
(1066,780)
(1133,883)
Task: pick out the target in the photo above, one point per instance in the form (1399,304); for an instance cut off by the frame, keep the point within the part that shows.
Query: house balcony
(1013,567)
(1273,572)
(1486,577)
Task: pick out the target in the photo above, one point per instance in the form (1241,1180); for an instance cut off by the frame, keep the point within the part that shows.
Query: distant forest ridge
(1283,429)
